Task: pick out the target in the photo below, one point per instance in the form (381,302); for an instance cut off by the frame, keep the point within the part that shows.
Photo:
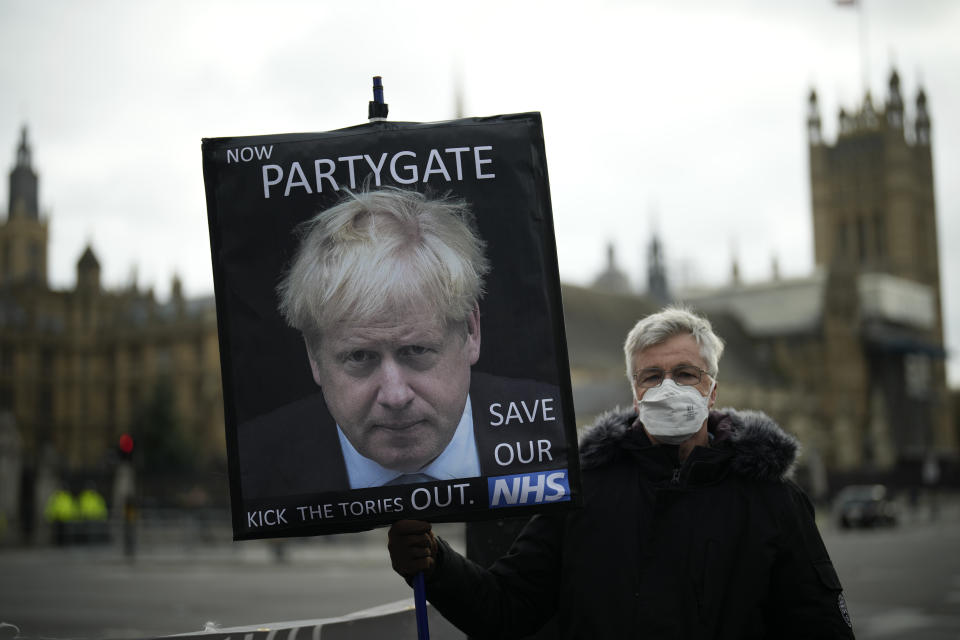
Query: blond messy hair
(379,255)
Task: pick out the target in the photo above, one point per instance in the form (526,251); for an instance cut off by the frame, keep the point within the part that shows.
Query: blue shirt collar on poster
(458,460)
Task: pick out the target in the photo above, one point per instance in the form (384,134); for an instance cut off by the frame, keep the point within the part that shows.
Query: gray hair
(659,327)
(379,255)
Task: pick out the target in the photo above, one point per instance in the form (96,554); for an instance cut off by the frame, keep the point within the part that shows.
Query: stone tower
(875,233)
(23,235)
(873,201)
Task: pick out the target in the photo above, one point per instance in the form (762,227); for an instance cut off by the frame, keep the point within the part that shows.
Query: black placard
(287,470)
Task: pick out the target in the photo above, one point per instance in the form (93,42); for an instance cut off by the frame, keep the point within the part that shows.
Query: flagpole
(864,49)
(862,38)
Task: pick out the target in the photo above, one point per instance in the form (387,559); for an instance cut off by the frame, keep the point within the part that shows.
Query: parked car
(864,505)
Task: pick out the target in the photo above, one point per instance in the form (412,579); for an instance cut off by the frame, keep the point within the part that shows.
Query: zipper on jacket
(676,476)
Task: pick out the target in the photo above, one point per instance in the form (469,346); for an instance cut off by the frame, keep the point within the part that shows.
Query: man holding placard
(691,526)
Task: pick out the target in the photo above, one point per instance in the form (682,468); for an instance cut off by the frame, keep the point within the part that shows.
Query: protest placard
(391,331)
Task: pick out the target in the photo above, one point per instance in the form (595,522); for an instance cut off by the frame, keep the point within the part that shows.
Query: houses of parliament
(850,358)
(77,366)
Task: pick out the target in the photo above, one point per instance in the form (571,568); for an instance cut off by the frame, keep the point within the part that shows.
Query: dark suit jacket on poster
(295,450)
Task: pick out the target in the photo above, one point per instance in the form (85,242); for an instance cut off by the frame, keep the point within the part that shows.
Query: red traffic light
(126,444)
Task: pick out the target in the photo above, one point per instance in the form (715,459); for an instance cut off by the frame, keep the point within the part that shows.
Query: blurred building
(875,232)
(78,366)
(850,358)
(863,335)
(612,279)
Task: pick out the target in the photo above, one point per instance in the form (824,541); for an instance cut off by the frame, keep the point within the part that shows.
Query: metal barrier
(393,620)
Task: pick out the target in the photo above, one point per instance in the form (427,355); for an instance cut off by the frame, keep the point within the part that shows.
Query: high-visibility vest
(61,507)
(92,506)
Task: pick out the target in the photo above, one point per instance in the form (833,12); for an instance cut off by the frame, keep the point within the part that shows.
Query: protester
(91,506)
(691,527)
(61,512)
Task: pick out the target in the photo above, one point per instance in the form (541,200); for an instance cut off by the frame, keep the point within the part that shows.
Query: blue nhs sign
(528,488)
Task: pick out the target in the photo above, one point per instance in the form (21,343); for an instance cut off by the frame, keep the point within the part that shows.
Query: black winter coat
(722,546)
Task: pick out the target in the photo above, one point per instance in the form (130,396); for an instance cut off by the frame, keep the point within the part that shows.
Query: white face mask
(672,413)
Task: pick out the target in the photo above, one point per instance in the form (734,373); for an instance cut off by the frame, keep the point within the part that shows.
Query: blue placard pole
(420,602)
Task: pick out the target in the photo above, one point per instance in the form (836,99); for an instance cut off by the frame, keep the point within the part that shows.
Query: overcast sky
(683,117)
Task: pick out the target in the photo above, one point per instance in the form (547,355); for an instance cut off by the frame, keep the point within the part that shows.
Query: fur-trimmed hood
(760,449)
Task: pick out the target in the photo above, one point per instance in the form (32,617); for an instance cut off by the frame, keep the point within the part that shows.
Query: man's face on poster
(398,389)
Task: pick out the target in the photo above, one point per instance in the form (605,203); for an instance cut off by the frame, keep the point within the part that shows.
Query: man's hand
(413,548)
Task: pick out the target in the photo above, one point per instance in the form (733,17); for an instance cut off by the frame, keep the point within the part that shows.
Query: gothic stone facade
(875,231)
(77,365)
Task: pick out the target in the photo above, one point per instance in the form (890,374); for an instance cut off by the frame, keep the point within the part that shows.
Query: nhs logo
(528,488)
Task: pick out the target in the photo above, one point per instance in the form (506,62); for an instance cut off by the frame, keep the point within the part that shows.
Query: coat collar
(759,448)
